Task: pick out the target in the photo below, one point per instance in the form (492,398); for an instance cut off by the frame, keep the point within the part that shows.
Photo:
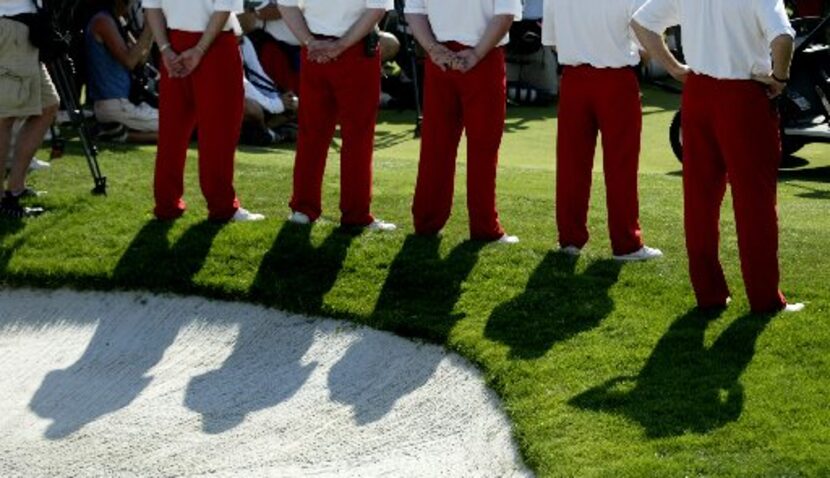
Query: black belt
(325,37)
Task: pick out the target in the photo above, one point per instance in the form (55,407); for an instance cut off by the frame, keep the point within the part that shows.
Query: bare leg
(5,140)
(28,141)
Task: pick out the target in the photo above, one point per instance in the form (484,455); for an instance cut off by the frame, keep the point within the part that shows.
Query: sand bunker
(135,384)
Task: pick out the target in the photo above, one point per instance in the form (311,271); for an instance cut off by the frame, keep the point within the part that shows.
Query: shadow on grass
(418,297)
(296,274)
(390,139)
(79,395)
(8,227)
(684,386)
(818,175)
(556,305)
(151,263)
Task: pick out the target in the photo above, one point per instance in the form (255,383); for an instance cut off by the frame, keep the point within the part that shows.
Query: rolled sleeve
(418,7)
(508,7)
(381,4)
(151,4)
(773,19)
(548,24)
(228,5)
(658,15)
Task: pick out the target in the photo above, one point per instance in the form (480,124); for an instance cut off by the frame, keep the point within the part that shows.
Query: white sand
(128,384)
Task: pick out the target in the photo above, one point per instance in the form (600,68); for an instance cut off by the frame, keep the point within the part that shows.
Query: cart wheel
(676,137)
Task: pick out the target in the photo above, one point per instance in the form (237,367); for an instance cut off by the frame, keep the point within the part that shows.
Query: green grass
(605,370)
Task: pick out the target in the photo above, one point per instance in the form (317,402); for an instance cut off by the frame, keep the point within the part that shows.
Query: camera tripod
(62,69)
(409,45)
(63,72)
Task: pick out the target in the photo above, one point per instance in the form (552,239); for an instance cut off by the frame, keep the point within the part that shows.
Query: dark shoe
(10,208)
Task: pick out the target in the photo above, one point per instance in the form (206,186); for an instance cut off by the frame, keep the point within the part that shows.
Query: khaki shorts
(25,86)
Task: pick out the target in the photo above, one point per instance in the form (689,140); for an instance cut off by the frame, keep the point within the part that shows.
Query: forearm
(158,26)
(656,48)
(498,27)
(269,12)
(215,26)
(295,20)
(362,27)
(422,31)
(782,56)
(141,49)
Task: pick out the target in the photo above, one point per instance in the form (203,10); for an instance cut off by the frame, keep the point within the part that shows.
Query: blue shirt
(107,79)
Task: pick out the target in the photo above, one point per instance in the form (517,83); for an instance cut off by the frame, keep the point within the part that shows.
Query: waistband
(721,81)
(456,46)
(587,67)
(325,37)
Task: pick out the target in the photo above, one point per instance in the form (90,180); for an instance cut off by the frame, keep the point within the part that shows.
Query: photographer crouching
(26,92)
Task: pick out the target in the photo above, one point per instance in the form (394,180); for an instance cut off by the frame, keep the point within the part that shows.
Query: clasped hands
(180,65)
(324,51)
(446,59)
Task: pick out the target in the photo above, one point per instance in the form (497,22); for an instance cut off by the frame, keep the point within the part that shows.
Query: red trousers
(730,131)
(278,66)
(809,8)
(344,91)
(211,100)
(453,102)
(592,101)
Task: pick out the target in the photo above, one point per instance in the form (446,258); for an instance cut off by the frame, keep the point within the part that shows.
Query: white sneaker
(244,215)
(381,226)
(797,307)
(37,165)
(570,250)
(299,218)
(508,239)
(644,254)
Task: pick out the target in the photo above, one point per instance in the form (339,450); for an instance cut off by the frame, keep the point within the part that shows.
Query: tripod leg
(63,82)
(409,43)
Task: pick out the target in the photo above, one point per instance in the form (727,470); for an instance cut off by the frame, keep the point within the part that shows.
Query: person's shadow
(556,305)
(684,386)
(8,227)
(370,380)
(112,371)
(151,263)
(296,274)
(265,367)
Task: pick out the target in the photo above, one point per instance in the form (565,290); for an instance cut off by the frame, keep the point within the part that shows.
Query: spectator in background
(532,70)
(110,59)
(811,8)
(26,92)
(279,53)
(265,106)
(201,87)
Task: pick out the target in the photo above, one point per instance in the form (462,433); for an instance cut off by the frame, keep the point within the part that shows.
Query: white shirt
(194,15)
(280,31)
(278,28)
(725,39)
(335,17)
(464,21)
(10,8)
(592,32)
